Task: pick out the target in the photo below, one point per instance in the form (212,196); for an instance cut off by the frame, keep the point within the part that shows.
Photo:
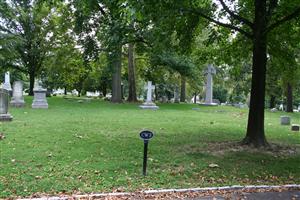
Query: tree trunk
(272,101)
(182,89)
(289,98)
(131,74)
(104,90)
(195,98)
(116,61)
(255,129)
(31,83)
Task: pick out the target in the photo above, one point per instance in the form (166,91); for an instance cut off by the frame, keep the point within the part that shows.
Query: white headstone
(149,104)
(7,84)
(17,99)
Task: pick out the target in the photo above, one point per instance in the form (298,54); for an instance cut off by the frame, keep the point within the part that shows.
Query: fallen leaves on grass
(213,165)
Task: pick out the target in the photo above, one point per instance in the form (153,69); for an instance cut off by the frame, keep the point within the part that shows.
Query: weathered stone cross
(149,87)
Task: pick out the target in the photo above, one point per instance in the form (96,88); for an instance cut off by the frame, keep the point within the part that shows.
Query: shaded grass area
(95,147)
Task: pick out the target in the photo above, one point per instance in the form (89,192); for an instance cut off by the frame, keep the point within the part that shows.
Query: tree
(28,28)
(266,16)
(131,74)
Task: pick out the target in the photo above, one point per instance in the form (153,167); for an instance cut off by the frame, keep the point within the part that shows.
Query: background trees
(80,44)
(27,30)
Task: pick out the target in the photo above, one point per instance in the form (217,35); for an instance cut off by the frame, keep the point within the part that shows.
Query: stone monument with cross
(209,72)
(6,84)
(149,104)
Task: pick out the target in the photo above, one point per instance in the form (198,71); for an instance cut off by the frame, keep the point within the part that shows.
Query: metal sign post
(146,136)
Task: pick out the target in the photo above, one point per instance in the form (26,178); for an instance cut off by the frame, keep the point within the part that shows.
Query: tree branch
(272,5)
(230,26)
(235,16)
(291,16)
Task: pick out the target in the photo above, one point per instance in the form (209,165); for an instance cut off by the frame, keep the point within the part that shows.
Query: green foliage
(220,93)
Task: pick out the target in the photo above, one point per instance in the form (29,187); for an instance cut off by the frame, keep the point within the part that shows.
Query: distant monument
(39,100)
(4,96)
(17,99)
(149,104)
(209,72)
(176,95)
(6,84)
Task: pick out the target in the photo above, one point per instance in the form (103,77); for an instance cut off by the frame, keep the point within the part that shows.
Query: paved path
(285,192)
(286,195)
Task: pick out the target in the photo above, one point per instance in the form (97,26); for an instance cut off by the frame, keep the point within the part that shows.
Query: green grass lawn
(95,147)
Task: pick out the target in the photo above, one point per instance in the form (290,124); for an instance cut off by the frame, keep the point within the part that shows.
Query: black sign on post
(146,136)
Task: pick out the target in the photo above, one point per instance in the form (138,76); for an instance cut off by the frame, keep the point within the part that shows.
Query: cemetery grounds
(84,147)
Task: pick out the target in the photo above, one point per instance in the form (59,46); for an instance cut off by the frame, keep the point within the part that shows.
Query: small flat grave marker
(295,127)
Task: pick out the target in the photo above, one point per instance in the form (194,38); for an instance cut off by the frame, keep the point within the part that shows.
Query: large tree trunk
(289,98)
(131,74)
(272,101)
(255,130)
(116,61)
(182,89)
(31,83)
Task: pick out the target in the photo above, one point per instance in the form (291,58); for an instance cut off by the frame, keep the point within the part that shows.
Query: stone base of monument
(39,104)
(5,117)
(208,104)
(149,105)
(17,103)
(40,100)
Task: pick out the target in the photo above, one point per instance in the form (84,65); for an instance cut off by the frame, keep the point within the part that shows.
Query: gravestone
(295,127)
(17,99)
(209,72)
(149,104)
(6,84)
(4,96)
(285,120)
(39,100)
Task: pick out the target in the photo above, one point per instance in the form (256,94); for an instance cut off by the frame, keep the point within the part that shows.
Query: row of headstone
(16,92)
(286,120)
(209,72)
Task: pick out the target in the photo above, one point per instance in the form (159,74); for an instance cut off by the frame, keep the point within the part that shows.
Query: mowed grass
(95,147)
